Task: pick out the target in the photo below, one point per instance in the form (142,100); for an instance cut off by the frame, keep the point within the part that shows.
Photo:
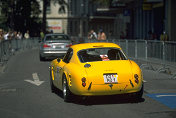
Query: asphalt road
(21,98)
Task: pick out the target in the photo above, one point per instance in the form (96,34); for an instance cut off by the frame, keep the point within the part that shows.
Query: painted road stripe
(165,95)
(35,80)
(168,99)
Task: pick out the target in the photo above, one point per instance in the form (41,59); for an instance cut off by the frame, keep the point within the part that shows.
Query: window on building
(71,27)
(84,28)
(48,7)
(75,8)
(76,27)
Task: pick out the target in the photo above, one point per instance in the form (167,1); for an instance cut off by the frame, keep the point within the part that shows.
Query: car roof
(94,45)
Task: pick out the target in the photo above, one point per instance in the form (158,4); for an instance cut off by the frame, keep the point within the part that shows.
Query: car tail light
(68,45)
(46,46)
(83,81)
(136,78)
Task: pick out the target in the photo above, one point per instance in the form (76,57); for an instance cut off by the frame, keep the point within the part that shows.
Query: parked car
(54,45)
(95,69)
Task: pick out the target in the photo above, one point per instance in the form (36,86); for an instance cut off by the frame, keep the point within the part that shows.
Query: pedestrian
(6,36)
(163,36)
(1,35)
(150,35)
(19,35)
(14,35)
(92,35)
(122,35)
(110,35)
(88,36)
(42,35)
(101,35)
(26,35)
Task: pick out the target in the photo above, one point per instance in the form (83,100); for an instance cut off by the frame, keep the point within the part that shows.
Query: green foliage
(20,15)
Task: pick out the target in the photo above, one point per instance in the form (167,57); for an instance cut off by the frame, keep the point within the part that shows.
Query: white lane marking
(165,95)
(7,90)
(36,81)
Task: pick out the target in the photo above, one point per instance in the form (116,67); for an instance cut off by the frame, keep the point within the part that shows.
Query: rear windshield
(57,37)
(101,54)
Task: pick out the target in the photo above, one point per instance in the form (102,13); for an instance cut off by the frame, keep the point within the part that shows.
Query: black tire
(65,89)
(42,58)
(140,93)
(53,88)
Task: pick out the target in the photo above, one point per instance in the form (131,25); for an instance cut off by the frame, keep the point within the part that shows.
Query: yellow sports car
(94,69)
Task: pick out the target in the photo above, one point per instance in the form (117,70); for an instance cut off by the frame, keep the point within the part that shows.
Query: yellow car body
(100,76)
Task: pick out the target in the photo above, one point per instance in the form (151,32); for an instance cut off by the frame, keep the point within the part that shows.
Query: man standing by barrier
(42,35)
(26,35)
(163,36)
(1,35)
(101,35)
(27,42)
(92,36)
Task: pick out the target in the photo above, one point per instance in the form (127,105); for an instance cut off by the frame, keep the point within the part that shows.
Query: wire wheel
(66,91)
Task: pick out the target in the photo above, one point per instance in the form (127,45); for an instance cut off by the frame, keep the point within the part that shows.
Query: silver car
(54,45)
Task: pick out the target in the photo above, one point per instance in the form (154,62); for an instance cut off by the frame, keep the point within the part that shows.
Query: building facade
(152,16)
(78,17)
(56,17)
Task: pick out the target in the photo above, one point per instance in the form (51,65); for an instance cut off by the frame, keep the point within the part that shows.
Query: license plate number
(58,46)
(110,78)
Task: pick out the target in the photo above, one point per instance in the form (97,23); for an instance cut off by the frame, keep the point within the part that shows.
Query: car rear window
(57,37)
(101,54)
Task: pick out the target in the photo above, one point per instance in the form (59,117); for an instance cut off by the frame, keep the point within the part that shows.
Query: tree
(45,3)
(4,13)
(20,15)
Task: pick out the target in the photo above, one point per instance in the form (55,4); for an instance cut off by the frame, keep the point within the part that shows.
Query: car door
(60,66)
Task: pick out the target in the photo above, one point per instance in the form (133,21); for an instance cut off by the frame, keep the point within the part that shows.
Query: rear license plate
(110,78)
(58,46)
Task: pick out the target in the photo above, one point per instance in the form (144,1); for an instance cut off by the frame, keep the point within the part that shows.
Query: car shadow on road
(101,100)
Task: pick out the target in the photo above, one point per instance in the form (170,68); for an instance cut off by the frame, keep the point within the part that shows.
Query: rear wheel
(42,58)
(140,93)
(66,91)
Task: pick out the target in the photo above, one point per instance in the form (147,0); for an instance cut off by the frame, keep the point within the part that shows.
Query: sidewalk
(159,77)
(158,66)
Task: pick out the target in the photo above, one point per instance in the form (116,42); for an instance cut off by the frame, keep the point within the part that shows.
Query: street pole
(81,28)
(81,20)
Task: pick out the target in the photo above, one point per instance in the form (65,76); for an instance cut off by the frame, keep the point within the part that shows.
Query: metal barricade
(9,47)
(146,49)
(170,51)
